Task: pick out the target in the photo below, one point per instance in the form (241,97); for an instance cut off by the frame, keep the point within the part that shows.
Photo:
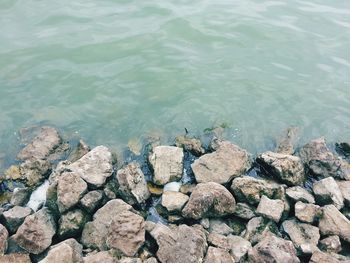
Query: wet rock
(244,211)
(209,200)
(331,244)
(257,228)
(220,227)
(327,192)
(81,149)
(126,233)
(71,223)
(218,255)
(180,243)
(192,145)
(297,193)
(344,187)
(15,258)
(286,168)
(100,257)
(91,200)
(285,144)
(20,196)
(174,201)
(249,189)
(70,189)
(132,184)
(227,162)
(307,213)
(270,208)
(36,233)
(15,216)
(167,164)
(68,251)
(273,249)
(3,239)
(95,166)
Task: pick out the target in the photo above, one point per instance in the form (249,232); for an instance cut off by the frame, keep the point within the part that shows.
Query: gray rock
(327,192)
(15,216)
(15,258)
(20,196)
(68,251)
(209,200)
(270,208)
(227,162)
(91,200)
(321,257)
(71,223)
(258,228)
(218,255)
(167,164)
(192,145)
(285,144)
(174,201)
(344,187)
(331,244)
(151,260)
(80,151)
(100,257)
(3,239)
(244,211)
(129,260)
(307,213)
(220,227)
(297,193)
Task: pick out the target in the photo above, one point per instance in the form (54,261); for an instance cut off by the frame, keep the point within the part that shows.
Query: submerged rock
(192,145)
(80,151)
(68,251)
(270,208)
(328,192)
(285,144)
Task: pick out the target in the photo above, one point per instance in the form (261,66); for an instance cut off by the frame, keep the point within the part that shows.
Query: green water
(111,71)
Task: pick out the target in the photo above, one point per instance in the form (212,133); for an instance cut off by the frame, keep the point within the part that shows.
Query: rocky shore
(184,203)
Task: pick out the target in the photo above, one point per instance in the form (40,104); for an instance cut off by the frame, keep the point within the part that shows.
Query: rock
(68,251)
(273,249)
(20,196)
(174,201)
(14,217)
(129,260)
(15,258)
(91,200)
(327,192)
(249,189)
(3,239)
(71,223)
(244,211)
(151,260)
(94,167)
(344,187)
(297,193)
(331,244)
(227,162)
(80,151)
(286,168)
(167,164)
(321,257)
(192,145)
(36,233)
(209,200)
(285,144)
(270,208)
(220,227)
(307,213)
(132,184)
(180,243)
(343,148)
(322,162)
(100,257)
(333,222)
(257,228)
(70,189)
(218,255)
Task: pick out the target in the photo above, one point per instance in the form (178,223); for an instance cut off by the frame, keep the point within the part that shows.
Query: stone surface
(81,149)
(36,233)
(132,184)
(331,244)
(286,168)
(227,162)
(298,193)
(71,223)
(285,143)
(344,187)
(218,255)
(270,208)
(20,196)
(307,213)
(220,227)
(68,251)
(209,200)
(151,260)
(174,201)
(244,211)
(15,258)
(167,164)
(192,145)
(327,192)
(100,257)
(257,228)
(94,167)
(91,200)
(3,239)
(321,257)
(15,216)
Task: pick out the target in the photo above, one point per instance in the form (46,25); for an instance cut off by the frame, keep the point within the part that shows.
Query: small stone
(15,258)
(205,223)
(100,257)
(270,208)
(20,196)
(244,211)
(307,213)
(68,251)
(91,200)
(218,255)
(297,193)
(174,201)
(71,223)
(328,192)
(331,244)
(3,239)
(220,227)
(192,145)
(14,217)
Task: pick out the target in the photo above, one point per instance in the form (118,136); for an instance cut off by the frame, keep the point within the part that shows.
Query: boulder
(285,144)
(174,201)
(100,257)
(227,162)
(286,168)
(307,213)
(15,258)
(344,187)
(297,193)
(167,164)
(68,251)
(20,196)
(3,239)
(71,223)
(327,192)
(218,255)
(94,167)
(244,211)
(270,208)
(331,244)
(209,200)
(192,145)
(36,232)
(132,184)
(91,200)
(15,216)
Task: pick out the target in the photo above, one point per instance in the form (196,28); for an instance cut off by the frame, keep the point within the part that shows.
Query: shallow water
(111,71)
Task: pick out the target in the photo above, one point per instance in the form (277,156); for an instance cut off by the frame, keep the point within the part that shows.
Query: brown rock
(68,251)
(331,244)
(244,211)
(71,223)
(218,255)
(3,239)
(192,145)
(297,193)
(100,257)
(91,200)
(15,216)
(344,187)
(270,208)
(174,201)
(15,258)
(307,213)
(321,257)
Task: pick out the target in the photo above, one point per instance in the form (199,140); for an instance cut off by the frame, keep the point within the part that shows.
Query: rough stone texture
(95,166)
(91,200)
(68,251)
(70,189)
(129,260)
(132,184)
(249,189)
(333,222)
(100,257)
(286,168)
(15,258)
(192,145)
(307,213)
(244,211)
(180,243)
(227,162)
(257,228)
(218,255)
(327,192)
(80,151)
(331,244)
(297,193)
(270,208)
(151,260)
(220,227)
(3,239)
(36,233)
(20,196)
(322,162)
(273,249)
(167,164)
(344,187)
(285,144)
(126,233)
(321,257)
(209,200)
(71,223)
(14,217)
(174,201)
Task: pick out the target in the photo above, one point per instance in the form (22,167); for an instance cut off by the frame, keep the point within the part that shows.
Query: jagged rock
(151,260)
(180,243)
(91,200)
(327,192)
(132,184)
(331,244)
(307,213)
(209,200)
(192,145)
(285,144)
(174,201)
(333,222)
(244,211)
(68,251)
(167,164)
(249,189)
(273,249)
(344,187)
(94,167)
(218,255)
(286,168)
(15,216)
(20,196)
(100,257)
(297,193)
(270,208)
(3,239)
(321,257)
(80,151)
(15,258)
(36,232)
(322,162)
(220,227)
(257,228)
(71,223)
(126,233)
(227,162)
(70,189)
